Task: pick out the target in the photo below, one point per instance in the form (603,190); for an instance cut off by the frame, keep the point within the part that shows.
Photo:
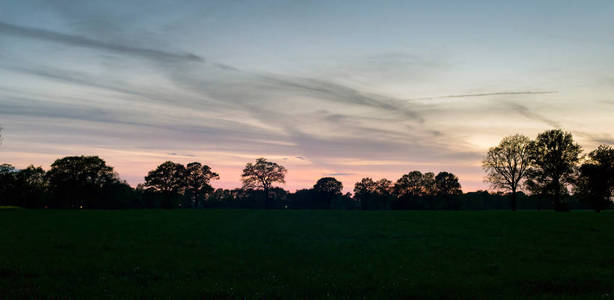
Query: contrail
(486,94)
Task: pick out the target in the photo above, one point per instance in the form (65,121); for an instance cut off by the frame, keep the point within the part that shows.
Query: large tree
(262,175)
(554,157)
(415,184)
(365,193)
(327,189)
(373,194)
(328,185)
(31,185)
(447,184)
(413,188)
(595,184)
(448,189)
(198,178)
(507,164)
(169,178)
(78,181)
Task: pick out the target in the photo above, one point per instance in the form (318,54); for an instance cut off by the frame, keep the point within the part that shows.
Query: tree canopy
(262,174)
(447,184)
(507,164)
(415,184)
(554,156)
(169,178)
(374,194)
(76,181)
(595,184)
(328,185)
(198,178)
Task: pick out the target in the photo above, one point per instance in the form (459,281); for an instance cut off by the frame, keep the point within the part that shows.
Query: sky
(347,89)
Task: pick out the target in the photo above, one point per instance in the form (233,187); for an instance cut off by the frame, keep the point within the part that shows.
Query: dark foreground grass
(305,254)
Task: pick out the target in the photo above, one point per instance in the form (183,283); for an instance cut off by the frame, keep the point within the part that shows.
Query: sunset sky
(348,89)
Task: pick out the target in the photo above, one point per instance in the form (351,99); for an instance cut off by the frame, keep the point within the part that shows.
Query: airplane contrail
(486,94)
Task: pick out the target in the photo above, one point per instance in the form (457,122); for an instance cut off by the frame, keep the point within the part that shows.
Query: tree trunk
(266,198)
(514,199)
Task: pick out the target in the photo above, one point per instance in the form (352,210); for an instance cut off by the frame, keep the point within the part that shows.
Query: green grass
(306,254)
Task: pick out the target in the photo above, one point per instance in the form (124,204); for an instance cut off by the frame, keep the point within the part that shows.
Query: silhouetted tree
(221,198)
(448,189)
(344,201)
(507,164)
(373,194)
(198,178)
(328,185)
(31,187)
(301,199)
(25,188)
(279,198)
(169,178)
(429,190)
(118,195)
(8,181)
(262,175)
(327,189)
(595,184)
(477,200)
(413,188)
(78,181)
(410,184)
(554,156)
(365,192)
(385,190)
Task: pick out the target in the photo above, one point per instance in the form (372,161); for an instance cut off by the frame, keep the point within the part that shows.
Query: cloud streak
(80,41)
(525,111)
(340,174)
(486,94)
(596,138)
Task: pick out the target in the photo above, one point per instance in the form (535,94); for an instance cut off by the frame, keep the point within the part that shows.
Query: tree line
(88,182)
(544,173)
(552,167)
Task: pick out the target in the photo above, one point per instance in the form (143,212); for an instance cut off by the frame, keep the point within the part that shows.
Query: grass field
(306,254)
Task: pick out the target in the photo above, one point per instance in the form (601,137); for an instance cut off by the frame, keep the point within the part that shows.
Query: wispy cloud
(80,41)
(181,154)
(340,174)
(525,111)
(596,138)
(333,91)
